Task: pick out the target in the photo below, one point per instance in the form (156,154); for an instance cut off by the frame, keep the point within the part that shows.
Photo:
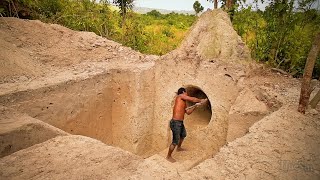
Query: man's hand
(198,104)
(201,102)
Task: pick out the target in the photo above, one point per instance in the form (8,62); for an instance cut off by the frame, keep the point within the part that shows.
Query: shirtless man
(176,123)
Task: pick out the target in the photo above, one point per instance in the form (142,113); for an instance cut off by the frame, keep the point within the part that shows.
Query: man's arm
(190,110)
(189,98)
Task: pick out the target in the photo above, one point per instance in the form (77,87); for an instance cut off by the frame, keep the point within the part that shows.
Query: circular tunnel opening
(201,116)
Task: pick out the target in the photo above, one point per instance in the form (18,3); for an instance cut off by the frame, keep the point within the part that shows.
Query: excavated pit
(107,112)
(104,107)
(114,94)
(122,97)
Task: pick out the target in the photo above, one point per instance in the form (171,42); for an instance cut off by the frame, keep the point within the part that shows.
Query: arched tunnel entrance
(201,116)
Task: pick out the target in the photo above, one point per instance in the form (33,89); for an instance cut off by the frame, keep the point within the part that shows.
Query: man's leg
(175,139)
(169,157)
(183,134)
(179,148)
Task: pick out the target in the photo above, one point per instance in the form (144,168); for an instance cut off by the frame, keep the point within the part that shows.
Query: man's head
(181,90)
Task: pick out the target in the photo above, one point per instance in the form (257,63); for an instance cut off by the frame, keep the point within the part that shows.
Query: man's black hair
(181,90)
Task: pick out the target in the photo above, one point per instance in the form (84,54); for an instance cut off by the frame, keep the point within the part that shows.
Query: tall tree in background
(197,7)
(124,6)
(215,3)
(307,75)
(226,4)
(281,35)
(229,3)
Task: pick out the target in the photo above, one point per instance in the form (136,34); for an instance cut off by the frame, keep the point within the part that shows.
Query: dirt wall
(132,112)
(213,58)
(72,157)
(204,75)
(19,131)
(115,107)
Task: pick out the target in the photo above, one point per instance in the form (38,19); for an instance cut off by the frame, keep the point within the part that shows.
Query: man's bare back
(180,105)
(179,108)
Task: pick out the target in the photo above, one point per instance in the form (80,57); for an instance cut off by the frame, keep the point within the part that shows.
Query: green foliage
(49,8)
(166,31)
(134,34)
(180,21)
(151,33)
(197,7)
(155,14)
(280,36)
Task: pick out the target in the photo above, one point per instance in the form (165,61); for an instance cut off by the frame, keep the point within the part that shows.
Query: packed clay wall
(59,105)
(212,81)
(217,71)
(19,131)
(132,109)
(115,107)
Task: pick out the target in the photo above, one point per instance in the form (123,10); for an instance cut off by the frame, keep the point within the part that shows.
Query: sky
(172,4)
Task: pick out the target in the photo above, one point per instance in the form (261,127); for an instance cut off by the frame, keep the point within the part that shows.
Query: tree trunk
(229,4)
(307,75)
(215,4)
(123,9)
(315,100)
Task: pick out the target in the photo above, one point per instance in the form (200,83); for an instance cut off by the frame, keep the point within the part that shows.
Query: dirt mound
(75,157)
(283,145)
(213,37)
(31,49)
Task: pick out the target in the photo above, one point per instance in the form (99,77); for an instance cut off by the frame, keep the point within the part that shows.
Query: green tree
(124,6)
(155,14)
(281,35)
(197,7)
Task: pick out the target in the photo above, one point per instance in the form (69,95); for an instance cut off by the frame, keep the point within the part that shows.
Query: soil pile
(31,49)
(282,145)
(213,38)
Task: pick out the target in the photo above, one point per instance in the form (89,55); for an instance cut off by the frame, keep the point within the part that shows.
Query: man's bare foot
(181,149)
(171,159)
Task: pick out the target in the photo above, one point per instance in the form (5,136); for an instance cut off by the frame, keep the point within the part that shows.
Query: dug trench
(126,108)
(127,101)
(115,107)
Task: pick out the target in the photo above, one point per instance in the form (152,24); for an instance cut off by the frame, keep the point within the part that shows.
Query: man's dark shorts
(178,131)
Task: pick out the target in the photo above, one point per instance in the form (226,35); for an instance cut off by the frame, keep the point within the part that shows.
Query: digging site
(78,106)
